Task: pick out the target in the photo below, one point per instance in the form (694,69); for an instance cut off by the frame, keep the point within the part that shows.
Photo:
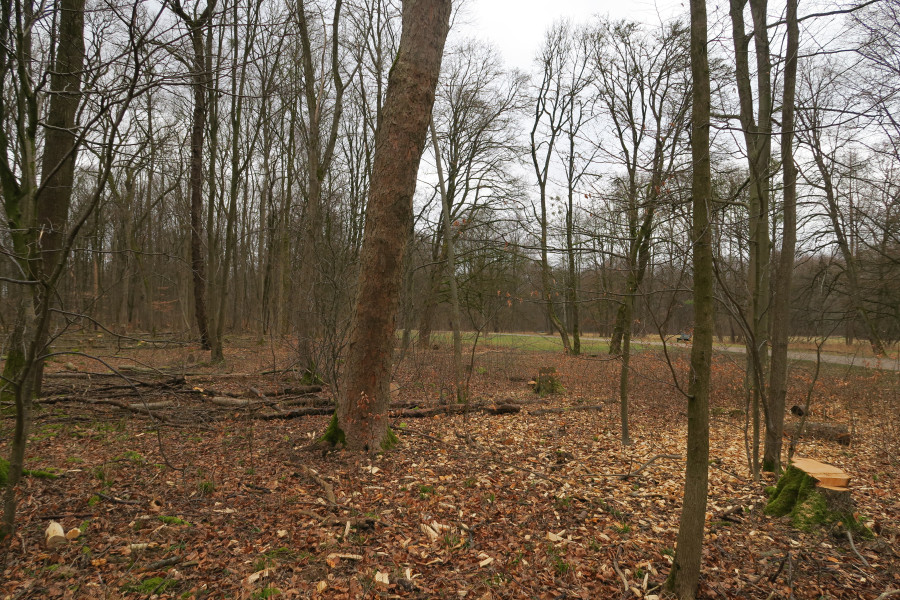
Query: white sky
(517,27)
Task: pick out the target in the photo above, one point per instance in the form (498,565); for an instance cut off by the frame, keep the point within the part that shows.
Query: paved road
(887,364)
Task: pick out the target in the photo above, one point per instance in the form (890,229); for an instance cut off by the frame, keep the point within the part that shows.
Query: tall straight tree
(320,137)
(781,303)
(361,419)
(200,83)
(756,126)
(685,574)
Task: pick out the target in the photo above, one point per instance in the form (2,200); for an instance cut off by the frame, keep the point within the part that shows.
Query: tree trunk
(451,273)
(198,126)
(361,418)
(61,142)
(685,574)
(781,309)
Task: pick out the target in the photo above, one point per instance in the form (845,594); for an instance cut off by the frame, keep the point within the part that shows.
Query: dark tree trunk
(199,82)
(361,417)
(60,144)
(685,574)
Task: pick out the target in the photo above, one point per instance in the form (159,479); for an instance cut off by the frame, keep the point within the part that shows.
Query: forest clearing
(204,500)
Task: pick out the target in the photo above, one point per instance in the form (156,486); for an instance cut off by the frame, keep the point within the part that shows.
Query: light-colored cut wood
(55,535)
(827,475)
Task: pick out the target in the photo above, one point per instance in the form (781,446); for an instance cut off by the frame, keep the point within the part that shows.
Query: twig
(166,562)
(328,489)
(855,551)
(119,500)
(618,570)
(888,594)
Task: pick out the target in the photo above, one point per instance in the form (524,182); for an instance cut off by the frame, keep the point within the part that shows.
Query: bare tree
(361,420)
(549,119)
(684,577)
(197,25)
(642,82)
(781,302)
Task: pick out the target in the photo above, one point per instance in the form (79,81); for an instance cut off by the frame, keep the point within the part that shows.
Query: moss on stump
(546,382)
(809,505)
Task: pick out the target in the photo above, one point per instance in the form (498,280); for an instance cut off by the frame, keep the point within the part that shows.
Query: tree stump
(814,494)
(546,382)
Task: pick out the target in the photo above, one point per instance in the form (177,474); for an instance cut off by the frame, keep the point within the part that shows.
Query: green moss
(172,520)
(154,585)
(769,466)
(334,435)
(39,473)
(782,501)
(390,440)
(797,495)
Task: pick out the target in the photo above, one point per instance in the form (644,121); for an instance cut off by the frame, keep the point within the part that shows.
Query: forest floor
(193,499)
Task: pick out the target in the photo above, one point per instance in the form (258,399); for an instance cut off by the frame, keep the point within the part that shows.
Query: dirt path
(886,364)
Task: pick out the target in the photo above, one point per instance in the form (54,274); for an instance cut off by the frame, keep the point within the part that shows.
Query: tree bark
(361,418)
(685,574)
(199,83)
(781,308)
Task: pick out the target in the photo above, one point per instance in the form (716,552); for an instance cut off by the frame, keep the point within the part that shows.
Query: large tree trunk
(685,574)
(781,309)
(361,418)
(60,143)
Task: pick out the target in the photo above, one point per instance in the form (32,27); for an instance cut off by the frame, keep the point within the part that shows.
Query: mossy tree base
(334,435)
(811,506)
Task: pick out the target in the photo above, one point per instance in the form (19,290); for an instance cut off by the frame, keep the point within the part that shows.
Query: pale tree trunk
(685,574)
(361,419)
(781,308)
(451,272)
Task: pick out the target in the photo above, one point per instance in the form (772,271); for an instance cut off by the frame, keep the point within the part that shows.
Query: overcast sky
(516,27)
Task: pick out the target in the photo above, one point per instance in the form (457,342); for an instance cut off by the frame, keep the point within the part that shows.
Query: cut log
(832,432)
(56,537)
(827,475)
(232,402)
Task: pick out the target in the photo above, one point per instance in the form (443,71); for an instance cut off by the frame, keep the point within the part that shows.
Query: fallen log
(456,409)
(831,432)
(233,402)
(299,412)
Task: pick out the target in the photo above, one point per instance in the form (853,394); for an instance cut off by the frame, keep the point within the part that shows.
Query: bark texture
(685,574)
(60,146)
(361,417)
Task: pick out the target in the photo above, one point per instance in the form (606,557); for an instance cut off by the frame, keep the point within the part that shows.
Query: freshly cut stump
(814,494)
